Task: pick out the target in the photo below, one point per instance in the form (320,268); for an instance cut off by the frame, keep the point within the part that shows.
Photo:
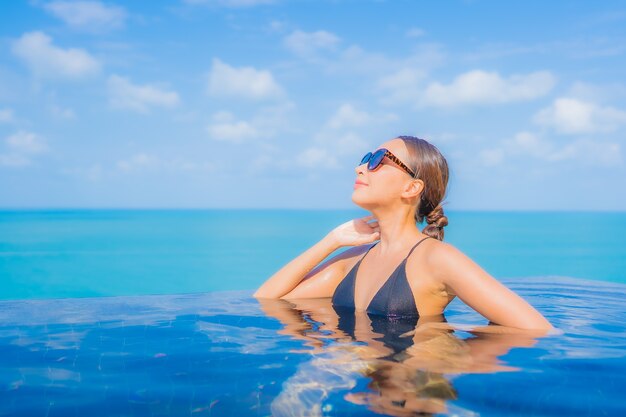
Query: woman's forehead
(396,147)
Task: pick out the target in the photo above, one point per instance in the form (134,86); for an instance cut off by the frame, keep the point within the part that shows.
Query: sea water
(83,253)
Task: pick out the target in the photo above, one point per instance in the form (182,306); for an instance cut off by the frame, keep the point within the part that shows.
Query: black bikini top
(394,298)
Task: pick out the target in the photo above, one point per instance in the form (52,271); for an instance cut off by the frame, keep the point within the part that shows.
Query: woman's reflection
(403,359)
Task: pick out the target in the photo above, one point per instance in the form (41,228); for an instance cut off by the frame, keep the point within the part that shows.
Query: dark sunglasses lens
(366,158)
(377,158)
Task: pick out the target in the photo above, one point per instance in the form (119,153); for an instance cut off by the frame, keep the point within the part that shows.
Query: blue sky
(270,104)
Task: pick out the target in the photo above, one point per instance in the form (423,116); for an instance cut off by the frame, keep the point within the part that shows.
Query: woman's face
(387,183)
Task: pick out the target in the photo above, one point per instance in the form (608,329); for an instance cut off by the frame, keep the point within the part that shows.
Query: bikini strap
(411,251)
(371,247)
(367,251)
(407,257)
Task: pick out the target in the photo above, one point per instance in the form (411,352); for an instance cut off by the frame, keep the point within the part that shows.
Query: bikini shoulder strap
(367,251)
(411,251)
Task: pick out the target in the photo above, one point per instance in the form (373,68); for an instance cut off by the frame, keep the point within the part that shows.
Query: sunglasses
(375,159)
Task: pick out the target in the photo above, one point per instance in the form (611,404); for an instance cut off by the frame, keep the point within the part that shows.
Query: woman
(401,184)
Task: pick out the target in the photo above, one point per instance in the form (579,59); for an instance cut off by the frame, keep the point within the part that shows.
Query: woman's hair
(431,167)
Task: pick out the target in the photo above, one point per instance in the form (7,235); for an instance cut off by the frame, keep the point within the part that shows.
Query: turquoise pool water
(225,354)
(82,253)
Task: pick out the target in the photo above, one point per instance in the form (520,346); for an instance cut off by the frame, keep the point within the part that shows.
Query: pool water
(227,354)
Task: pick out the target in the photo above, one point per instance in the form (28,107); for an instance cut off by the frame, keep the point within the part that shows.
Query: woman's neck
(397,231)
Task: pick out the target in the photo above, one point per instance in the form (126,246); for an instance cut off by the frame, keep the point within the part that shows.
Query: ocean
(90,253)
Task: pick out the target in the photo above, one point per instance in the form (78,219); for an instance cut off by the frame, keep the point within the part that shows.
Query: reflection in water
(408,363)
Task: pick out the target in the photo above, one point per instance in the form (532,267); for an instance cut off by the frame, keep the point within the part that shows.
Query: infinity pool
(227,354)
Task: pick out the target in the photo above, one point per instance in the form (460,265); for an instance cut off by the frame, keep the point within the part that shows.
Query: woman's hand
(356,232)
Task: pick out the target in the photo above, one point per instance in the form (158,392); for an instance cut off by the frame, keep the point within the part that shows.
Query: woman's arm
(286,283)
(290,275)
(479,290)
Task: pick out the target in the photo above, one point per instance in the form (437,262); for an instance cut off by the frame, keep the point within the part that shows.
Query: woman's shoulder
(441,253)
(446,263)
(440,248)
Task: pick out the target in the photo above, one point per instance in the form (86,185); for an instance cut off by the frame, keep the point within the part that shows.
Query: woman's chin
(359,200)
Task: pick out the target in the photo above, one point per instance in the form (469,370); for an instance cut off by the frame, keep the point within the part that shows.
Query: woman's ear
(414,188)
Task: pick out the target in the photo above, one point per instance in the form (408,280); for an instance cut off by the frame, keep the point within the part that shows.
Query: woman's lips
(358,183)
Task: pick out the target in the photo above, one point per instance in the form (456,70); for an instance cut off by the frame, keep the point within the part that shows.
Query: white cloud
(442,137)
(328,147)
(348,116)
(527,144)
(224,127)
(93,173)
(22,146)
(313,157)
(230,3)
(267,122)
(491,157)
(323,50)
(6,116)
(244,82)
(276,25)
(481,87)
(274,119)
(147,162)
(348,143)
(13,160)
(307,44)
(49,61)
(415,33)
(574,116)
(402,86)
(580,48)
(356,60)
(88,15)
(596,93)
(125,95)
(341,137)
(26,143)
(402,81)
(62,112)
(140,161)
(591,153)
